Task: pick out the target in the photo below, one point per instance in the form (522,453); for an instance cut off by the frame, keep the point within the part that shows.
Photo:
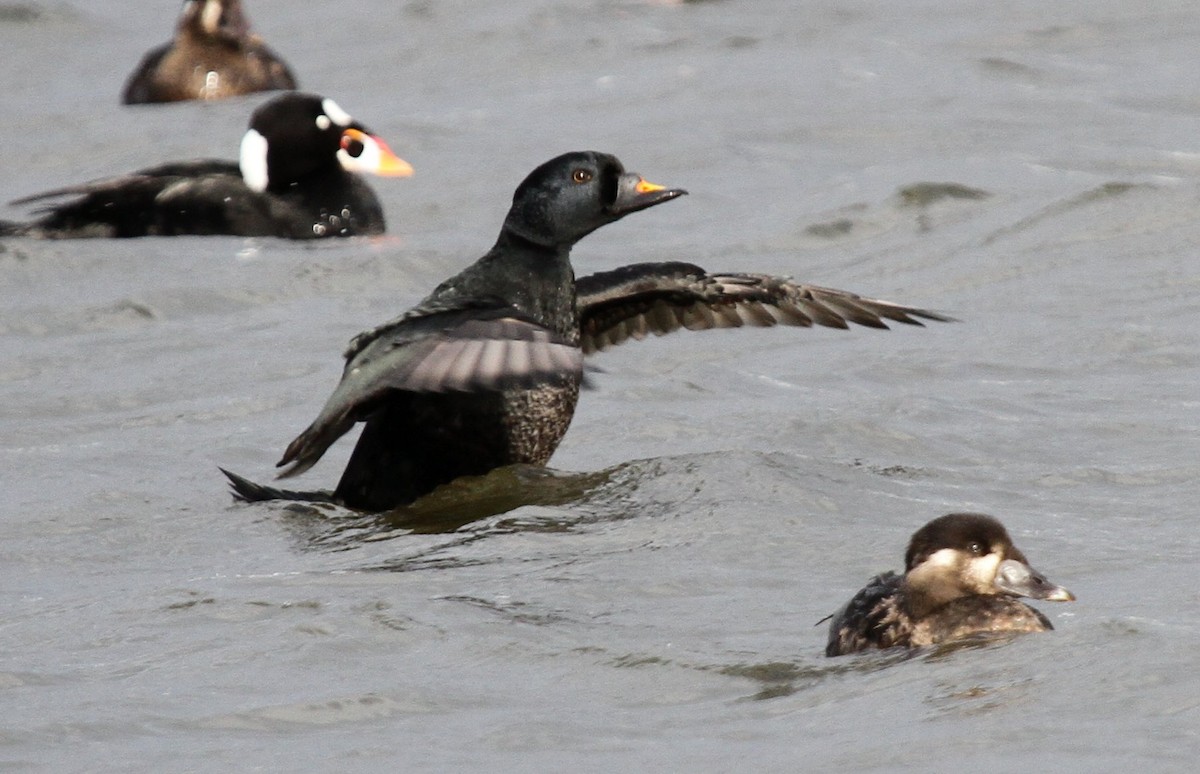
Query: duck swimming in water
(962,578)
(485,372)
(213,56)
(297,177)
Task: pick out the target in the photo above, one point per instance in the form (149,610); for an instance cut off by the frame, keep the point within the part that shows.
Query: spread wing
(659,298)
(481,346)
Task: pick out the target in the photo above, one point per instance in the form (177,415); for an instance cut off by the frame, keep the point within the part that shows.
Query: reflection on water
(450,508)
(517,498)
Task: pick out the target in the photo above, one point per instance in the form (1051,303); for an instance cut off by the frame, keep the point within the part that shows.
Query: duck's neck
(536,279)
(924,595)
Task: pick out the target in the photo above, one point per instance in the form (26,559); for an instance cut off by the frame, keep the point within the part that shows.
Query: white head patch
(367,161)
(210,16)
(253,161)
(335,114)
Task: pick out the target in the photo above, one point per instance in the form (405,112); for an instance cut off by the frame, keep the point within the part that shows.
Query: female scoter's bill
(213,56)
(962,579)
(485,372)
(296,179)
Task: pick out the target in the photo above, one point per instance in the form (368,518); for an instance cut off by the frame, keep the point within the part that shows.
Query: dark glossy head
(572,195)
(221,19)
(965,554)
(295,135)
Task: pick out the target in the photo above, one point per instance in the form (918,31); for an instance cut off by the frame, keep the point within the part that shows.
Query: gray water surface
(1032,168)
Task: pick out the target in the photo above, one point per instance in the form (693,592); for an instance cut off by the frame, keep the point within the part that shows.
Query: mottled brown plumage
(962,579)
(212,56)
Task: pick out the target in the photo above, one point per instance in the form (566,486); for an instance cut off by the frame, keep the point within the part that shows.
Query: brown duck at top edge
(212,56)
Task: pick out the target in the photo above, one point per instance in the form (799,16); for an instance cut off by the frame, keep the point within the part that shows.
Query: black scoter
(296,178)
(213,56)
(485,372)
(962,579)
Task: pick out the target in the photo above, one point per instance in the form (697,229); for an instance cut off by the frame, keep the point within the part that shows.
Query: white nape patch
(253,161)
(368,161)
(210,17)
(335,113)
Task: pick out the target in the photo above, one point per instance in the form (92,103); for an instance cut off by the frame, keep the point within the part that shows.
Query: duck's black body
(963,578)
(213,56)
(296,178)
(486,371)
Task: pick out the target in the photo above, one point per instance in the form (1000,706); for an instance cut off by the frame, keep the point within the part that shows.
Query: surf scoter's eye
(581,176)
(352,146)
(976,548)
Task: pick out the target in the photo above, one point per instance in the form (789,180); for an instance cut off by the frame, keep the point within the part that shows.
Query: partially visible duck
(296,178)
(213,56)
(962,579)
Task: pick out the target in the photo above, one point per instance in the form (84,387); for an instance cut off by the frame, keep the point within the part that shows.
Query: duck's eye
(581,176)
(976,548)
(352,146)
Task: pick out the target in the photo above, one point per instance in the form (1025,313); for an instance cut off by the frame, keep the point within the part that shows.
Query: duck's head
(572,195)
(220,19)
(294,135)
(966,554)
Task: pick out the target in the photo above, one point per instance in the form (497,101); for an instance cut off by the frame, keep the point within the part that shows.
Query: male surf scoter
(295,178)
(213,56)
(962,578)
(485,372)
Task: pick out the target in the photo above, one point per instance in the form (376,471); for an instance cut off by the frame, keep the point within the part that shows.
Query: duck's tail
(245,490)
(12,228)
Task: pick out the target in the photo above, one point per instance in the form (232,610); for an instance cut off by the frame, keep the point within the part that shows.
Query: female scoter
(295,178)
(485,372)
(962,579)
(213,56)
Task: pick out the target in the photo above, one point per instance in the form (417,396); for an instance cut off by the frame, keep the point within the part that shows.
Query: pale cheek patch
(945,557)
(335,113)
(253,161)
(936,568)
(982,571)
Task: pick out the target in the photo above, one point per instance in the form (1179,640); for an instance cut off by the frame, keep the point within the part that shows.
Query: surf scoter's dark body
(296,178)
(962,579)
(213,56)
(485,372)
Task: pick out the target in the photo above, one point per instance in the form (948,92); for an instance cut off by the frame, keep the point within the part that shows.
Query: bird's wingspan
(639,299)
(434,349)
